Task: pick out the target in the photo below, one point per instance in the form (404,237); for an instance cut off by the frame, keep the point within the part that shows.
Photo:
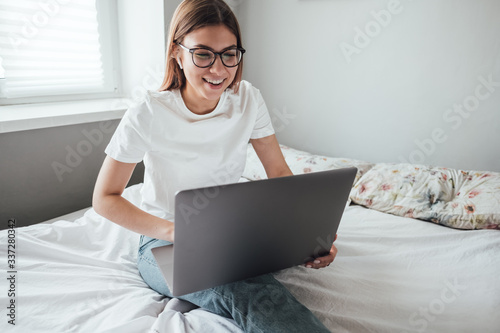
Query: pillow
(455,198)
(301,162)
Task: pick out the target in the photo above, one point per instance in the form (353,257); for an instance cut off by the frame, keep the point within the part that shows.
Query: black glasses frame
(242,50)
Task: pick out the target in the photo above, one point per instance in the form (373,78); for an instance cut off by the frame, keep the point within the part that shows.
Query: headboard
(49,172)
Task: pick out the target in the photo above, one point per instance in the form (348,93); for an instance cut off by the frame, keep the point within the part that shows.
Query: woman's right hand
(109,203)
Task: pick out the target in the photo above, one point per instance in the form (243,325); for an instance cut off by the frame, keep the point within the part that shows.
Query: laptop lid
(237,231)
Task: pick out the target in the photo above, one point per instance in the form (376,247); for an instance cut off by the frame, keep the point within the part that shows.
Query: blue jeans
(260,304)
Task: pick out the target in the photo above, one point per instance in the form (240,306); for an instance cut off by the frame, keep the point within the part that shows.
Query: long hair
(189,16)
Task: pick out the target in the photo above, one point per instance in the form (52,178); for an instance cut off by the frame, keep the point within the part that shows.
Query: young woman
(194,133)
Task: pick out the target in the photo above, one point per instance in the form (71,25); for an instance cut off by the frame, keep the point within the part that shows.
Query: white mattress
(391,274)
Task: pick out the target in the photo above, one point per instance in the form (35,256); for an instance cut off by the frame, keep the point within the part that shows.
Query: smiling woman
(193,133)
(204,85)
(221,33)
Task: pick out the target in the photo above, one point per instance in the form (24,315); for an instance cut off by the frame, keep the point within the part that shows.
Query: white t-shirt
(182,150)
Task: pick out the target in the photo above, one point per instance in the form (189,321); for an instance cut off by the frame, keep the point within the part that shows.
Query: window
(57,50)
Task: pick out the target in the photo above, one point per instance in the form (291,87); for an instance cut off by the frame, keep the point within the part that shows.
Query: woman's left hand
(324,261)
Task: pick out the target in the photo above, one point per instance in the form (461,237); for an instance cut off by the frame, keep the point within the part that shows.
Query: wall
(383,81)
(50,172)
(142,46)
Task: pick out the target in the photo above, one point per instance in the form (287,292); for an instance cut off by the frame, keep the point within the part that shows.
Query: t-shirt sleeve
(263,126)
(131,140)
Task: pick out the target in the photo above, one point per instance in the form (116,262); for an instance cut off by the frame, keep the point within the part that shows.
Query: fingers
(324,261)
(320,262)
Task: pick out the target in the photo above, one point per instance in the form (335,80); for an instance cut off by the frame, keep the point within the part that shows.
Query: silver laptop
(232,232)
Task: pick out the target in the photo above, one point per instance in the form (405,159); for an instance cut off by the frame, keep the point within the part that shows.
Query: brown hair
(189,16)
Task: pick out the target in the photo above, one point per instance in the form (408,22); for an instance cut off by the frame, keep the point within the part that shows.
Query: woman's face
(204,86)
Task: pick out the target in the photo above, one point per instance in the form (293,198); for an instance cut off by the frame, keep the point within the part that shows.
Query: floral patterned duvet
(454,198)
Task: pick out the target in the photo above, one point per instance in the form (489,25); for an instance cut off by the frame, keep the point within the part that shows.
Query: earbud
(178,61)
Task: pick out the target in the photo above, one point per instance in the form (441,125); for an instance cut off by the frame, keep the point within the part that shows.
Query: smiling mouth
(214,82)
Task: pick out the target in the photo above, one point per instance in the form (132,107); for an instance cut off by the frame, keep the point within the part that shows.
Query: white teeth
(214,82)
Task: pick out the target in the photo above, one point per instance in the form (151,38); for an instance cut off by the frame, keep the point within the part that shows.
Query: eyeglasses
(204,58)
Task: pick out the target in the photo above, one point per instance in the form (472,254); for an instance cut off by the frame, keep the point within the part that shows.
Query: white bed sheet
(82,277)
(395,274)
(391,274)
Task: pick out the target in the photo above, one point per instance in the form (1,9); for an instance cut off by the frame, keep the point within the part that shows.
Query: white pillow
(301,162)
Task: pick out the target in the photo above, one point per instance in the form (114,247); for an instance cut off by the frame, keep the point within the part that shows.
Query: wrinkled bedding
(392,274)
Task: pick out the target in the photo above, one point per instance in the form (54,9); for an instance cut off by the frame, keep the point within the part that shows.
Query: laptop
(237,231)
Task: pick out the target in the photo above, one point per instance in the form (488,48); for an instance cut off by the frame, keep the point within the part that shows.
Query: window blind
(51,47)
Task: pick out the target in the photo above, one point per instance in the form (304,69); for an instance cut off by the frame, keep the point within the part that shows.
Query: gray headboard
(49,172)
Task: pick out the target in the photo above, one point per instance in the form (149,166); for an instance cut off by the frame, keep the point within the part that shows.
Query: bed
(404,263)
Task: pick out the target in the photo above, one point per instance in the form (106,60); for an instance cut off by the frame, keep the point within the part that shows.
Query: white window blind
(53,47)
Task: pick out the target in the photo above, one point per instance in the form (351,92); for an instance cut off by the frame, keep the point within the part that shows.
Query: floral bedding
(454,198)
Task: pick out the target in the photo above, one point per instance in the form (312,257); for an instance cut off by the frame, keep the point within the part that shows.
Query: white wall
(390,97)
(141,27)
